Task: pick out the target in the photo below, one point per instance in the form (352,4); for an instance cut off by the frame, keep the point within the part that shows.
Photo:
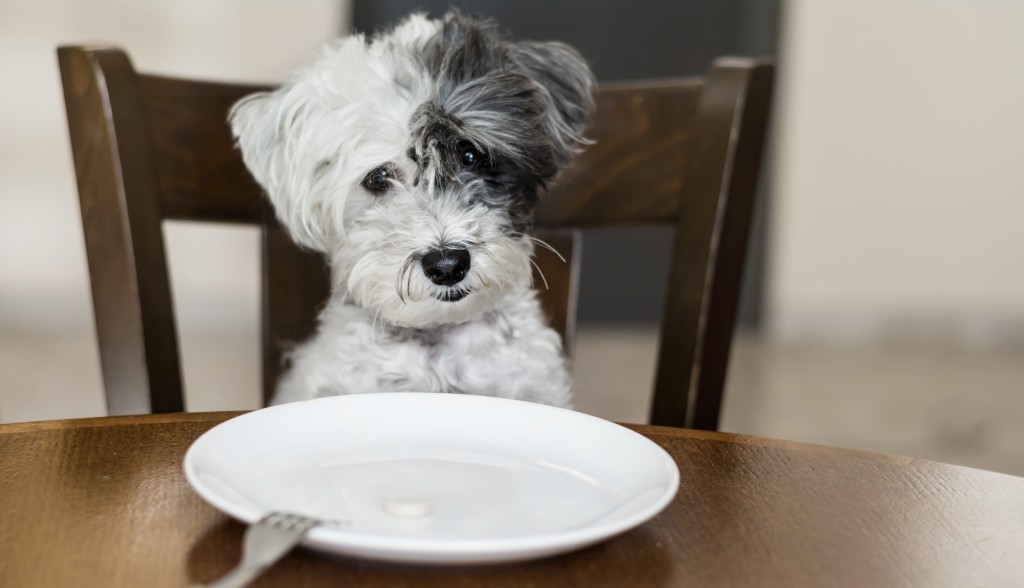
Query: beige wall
(900,179)
(43,277)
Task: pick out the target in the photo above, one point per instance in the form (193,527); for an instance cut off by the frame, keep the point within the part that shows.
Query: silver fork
(265,542)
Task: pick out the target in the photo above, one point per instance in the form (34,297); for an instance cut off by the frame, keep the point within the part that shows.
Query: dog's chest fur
(510,353)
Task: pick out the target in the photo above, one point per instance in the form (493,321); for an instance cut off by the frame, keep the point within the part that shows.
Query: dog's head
(414,161)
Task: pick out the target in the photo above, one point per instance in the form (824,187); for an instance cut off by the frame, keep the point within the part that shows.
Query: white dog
(414,162)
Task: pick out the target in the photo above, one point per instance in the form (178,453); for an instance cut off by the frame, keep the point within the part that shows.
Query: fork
(265,542)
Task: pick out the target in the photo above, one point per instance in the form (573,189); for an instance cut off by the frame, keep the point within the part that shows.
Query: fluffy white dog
(414,162)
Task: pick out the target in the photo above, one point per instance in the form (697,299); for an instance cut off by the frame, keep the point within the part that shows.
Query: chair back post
(720,177)
(108,127)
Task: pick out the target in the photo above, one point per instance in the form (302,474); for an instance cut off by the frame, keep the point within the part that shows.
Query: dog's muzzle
(447,266)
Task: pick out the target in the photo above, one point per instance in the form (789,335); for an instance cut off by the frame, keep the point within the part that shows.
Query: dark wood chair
(682,152)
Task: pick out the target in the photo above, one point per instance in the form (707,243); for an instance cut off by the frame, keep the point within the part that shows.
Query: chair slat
(200,175)
(633,173)
(295,287)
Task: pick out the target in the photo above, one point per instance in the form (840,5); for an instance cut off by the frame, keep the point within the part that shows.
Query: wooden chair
(147,148)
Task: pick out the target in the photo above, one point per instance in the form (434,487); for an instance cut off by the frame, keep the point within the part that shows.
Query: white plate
(435,478)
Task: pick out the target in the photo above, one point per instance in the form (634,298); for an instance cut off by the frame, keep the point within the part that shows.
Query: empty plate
(435,478)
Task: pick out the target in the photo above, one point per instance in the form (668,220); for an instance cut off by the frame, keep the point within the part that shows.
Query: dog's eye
(379,180)
(469,156)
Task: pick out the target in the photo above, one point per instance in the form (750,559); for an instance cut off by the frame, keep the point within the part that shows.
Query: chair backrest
(148,148)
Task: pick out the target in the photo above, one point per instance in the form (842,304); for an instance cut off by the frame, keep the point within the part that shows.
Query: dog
(414,161)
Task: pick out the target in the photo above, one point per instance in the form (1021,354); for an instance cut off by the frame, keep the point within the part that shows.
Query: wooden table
(104,502)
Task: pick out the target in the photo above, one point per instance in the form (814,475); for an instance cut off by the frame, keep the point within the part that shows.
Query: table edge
(646,430)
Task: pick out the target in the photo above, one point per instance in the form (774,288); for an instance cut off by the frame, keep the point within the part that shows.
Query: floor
(948,402)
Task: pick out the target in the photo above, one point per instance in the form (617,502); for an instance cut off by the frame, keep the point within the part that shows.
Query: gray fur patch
(523,105)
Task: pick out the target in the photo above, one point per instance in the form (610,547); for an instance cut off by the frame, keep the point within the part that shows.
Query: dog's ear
(567,86)
(265,126)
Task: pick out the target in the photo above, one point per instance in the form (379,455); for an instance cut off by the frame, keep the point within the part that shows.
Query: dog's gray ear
(567,85)
(261,124)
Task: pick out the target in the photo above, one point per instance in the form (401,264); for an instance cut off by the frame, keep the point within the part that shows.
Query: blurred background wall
(900,189)
(894,276)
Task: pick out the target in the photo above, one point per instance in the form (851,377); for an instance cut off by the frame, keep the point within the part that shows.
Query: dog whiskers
(408,284)
(404,273)
(541,272)
(547,246)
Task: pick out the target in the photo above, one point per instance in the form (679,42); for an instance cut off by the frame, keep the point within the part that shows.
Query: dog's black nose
(447,266)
